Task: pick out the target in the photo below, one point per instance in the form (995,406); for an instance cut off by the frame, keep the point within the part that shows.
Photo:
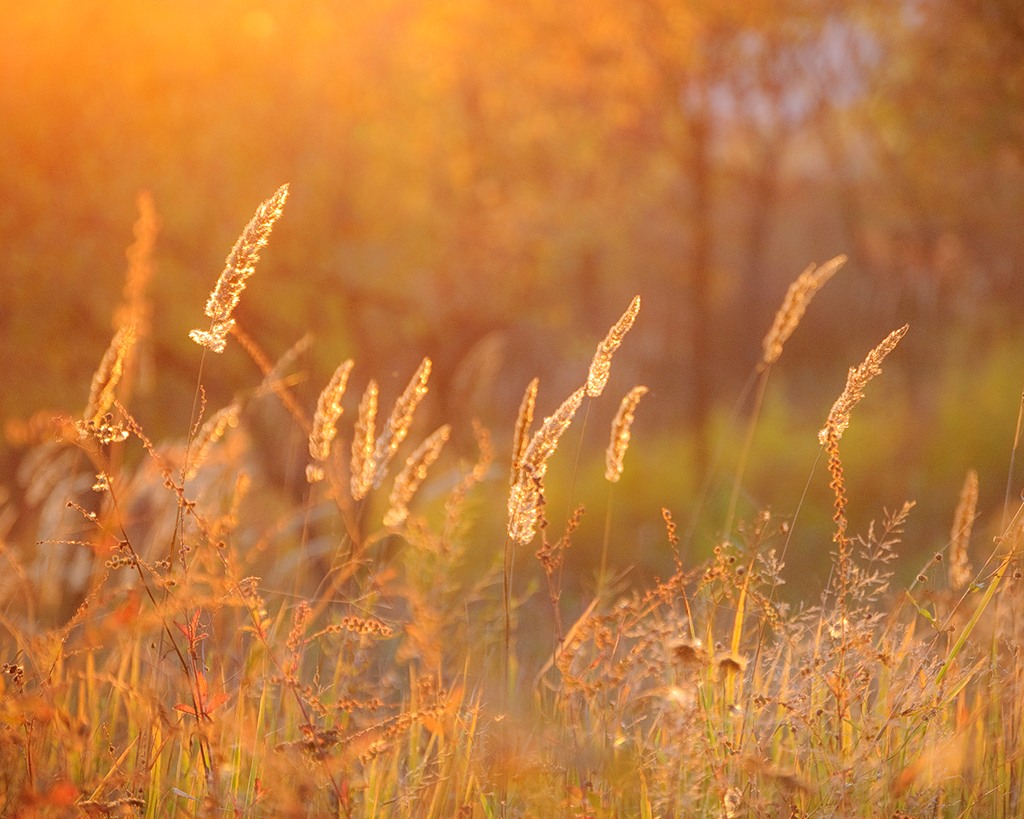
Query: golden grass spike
(526,499)
(109,372)
(216,338)
(415,470)
(601,365)
(398,423)
(545,440)
(134,308)
(521,436)
(325,421)
(856,380)
(362,443)
(621,431)
(525,507)
(241,261)
(209,433)
(960,536)
(238,267)
(799,295)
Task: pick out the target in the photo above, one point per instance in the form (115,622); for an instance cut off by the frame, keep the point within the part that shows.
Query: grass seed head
(960,536)
(238,267)
(521,436)
(109,373)
(621,432)
(413,474)
(209,433)
(362,443)
(396,428)
(134,307)
(325,421)
(798,297)
(856,380)
(601,365)
(526,499)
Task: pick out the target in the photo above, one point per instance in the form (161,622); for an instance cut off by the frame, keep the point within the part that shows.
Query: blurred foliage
(474,178)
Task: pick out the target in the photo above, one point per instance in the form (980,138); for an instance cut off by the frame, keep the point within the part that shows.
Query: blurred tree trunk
(701,348)
(755,296)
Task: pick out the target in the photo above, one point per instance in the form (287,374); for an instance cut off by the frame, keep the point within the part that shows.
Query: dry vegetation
(178,641)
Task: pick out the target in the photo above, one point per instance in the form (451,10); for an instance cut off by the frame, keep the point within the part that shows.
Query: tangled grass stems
(229,685)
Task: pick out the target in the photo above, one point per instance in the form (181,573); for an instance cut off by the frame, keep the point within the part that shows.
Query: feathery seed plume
(856,380)
(398,423)
(521,436)
(621,431)
(601,365)
(960,536)
(415,470)
(526,498)
(239,266)
(216,338)
(325,421)
(362,443)
(798,296)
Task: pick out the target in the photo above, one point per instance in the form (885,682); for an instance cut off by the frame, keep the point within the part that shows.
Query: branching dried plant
(838,420)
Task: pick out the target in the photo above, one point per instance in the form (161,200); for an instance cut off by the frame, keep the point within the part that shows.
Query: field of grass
(179,636)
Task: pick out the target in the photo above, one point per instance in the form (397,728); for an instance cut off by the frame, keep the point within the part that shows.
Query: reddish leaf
(215,702)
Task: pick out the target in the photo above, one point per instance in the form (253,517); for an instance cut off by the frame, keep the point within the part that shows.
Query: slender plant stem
(602,570)
(712,471)
(1013,459)
(748,441)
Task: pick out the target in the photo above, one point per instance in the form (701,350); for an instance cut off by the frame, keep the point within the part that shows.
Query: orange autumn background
(490,184)
(206,610)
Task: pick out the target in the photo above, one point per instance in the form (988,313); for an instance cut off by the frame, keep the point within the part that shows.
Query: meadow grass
(182,637)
